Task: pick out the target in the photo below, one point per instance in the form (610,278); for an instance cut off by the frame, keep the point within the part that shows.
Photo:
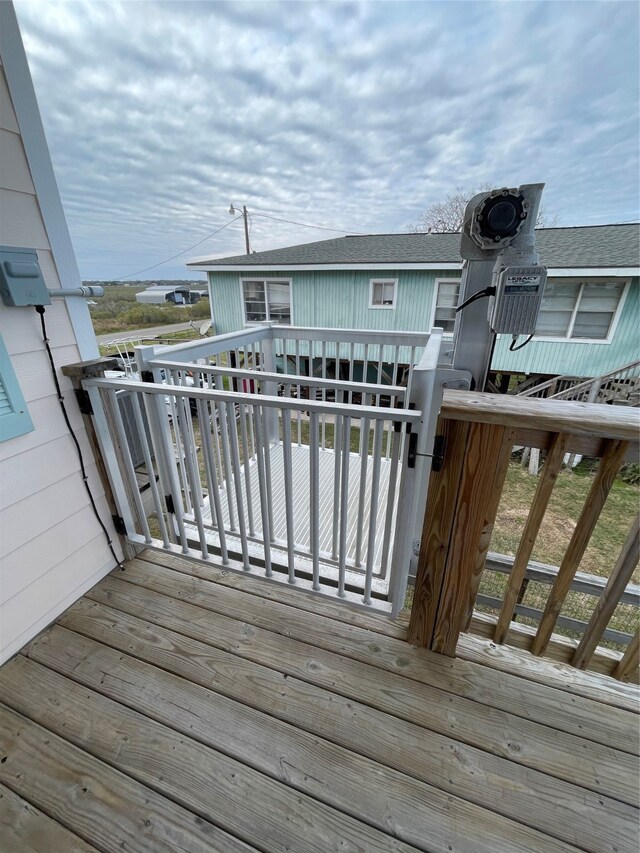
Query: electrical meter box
(514,308)
(21,281)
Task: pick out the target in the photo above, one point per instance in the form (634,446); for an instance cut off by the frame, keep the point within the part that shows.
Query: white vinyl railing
(307,479)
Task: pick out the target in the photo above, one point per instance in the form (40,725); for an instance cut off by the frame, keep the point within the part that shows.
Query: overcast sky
(353,116)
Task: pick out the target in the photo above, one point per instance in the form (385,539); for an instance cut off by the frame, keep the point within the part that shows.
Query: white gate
(272,452)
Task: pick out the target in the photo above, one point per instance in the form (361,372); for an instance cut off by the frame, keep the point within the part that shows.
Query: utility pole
(245,218)
(246,228)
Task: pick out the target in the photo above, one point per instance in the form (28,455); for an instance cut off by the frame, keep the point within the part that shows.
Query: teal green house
(589,323)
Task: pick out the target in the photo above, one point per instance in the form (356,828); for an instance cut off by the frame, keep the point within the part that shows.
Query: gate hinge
(412,451)
(168,499)
(84,401)
(120,526)
(146,375)
(437,456)
(438,453)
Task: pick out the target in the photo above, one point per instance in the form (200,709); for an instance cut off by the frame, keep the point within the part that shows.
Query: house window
(382,293)
(14,417)
(447,294)
(267,300)
(579,310)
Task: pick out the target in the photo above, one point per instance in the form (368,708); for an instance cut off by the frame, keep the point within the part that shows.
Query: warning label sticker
(522,283)
(521,288)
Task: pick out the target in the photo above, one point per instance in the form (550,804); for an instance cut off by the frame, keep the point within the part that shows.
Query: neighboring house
(51,547)
(588,324)
(160,294)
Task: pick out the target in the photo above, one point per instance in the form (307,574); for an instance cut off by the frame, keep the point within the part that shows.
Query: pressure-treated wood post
(461,506)
(436,532)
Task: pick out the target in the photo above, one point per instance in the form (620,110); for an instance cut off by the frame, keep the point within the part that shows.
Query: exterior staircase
(620,387)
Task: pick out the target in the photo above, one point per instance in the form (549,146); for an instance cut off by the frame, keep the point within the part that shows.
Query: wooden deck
(181,707)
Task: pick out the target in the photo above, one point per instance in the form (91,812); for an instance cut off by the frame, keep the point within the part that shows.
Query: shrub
(630,473)
(152,315)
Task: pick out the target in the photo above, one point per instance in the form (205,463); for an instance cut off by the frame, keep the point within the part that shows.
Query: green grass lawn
(567,500)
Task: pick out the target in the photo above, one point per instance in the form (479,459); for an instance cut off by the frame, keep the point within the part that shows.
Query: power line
(307,225)
(231,221)
(173,257)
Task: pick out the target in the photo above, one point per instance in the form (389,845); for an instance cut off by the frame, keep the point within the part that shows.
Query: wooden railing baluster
(630,660)
(600,488)
(532,526)
(618,580)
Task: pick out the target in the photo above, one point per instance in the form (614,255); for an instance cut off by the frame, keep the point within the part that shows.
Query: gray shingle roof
(585,246)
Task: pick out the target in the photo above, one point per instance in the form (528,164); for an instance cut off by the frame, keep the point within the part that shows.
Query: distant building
(159,294)
(410,282)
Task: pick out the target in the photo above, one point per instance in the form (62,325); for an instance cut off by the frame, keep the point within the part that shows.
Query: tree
(447,215)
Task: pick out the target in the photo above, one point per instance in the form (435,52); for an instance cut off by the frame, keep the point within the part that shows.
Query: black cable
(184,252)
(488,291)
(85,478)
(520,346)
(307,225)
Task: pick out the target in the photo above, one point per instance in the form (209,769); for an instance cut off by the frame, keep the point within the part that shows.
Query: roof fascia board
(597,272)
(313,267)
(25,104)
(558,272)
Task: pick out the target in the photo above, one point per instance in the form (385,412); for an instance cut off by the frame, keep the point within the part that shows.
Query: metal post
(473,339)
(272,432)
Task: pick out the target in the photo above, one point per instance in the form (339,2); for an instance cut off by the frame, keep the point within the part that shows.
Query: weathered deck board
(25,828)
(590,765)
(516,791)
(199,713)
(383,797)
(91,799)
(394,656)
(270,591)
(500,688)
(209,783)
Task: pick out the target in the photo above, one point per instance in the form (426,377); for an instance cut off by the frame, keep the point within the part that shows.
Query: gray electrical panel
(514,308)
(21,281)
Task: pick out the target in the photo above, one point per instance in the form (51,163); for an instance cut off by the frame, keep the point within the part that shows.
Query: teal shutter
(14,417)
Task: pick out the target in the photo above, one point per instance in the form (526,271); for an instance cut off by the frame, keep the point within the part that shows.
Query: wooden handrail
(478,432)
(590,419)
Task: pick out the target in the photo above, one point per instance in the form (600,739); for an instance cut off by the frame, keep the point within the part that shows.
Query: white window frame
(278,280)
(567,339)
(394,282)
(434,305)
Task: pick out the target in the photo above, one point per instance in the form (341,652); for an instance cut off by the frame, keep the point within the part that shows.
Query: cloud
(346,115)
